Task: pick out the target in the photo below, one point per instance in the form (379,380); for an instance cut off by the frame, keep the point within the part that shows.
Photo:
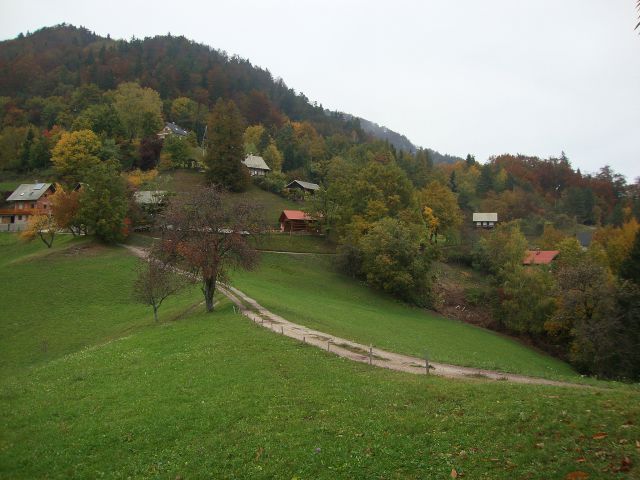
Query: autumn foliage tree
(65,207)
(41,226)
(75,154)
(206,235)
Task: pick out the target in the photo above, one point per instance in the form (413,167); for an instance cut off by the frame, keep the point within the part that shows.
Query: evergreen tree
(453,183)
(225,147)
(630,268)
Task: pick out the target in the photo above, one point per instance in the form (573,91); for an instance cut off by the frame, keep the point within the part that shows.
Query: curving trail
(357,352)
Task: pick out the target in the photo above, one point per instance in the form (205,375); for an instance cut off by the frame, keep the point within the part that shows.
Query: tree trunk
(209,288)
(155,313)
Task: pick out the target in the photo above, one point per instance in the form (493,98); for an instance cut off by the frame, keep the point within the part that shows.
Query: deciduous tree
(103,203)
(139,109)
(41,226)
(206,234)
(76,154)
(155,282)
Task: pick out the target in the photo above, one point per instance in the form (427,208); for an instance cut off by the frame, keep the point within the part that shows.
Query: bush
(272,182)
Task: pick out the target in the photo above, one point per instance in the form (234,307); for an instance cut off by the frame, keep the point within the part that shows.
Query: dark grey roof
(305,185)
(28,191)
(175,129)
(584,238)
(253,161)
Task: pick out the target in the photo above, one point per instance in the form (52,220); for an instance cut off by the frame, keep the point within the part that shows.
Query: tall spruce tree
(225,147)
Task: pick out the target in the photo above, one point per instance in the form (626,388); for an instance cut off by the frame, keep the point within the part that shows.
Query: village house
(485,220)
(171,128)
(27,200)
(297,221)
(539,257)
(256,165)
(304,186)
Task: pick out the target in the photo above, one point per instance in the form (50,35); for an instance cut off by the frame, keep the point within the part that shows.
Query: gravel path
(357,352)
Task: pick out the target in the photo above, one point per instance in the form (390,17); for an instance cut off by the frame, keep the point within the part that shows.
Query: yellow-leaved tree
(41,226)
(75,154)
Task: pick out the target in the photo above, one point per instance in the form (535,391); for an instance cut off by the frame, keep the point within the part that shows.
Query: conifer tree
(225,147)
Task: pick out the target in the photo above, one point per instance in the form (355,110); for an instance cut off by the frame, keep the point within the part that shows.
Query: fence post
(426,361)
(370,354)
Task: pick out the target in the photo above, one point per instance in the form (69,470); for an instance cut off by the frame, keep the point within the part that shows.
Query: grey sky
(486,77)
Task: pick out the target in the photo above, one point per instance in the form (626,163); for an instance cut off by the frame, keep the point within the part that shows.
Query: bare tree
(205,233)
(155,282)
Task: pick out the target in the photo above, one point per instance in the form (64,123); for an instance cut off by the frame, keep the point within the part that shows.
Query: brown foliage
(206,234)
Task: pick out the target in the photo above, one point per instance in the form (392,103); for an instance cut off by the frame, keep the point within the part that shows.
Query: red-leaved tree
(205,234)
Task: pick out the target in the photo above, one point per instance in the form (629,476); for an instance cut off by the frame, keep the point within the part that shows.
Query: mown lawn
(57,301)
(215,396)
(285,242)
(307,290)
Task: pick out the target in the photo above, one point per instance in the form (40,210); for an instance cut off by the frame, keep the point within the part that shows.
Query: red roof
(539,257)
(294,215)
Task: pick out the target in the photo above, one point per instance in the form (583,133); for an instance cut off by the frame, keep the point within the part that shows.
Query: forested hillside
(82,109)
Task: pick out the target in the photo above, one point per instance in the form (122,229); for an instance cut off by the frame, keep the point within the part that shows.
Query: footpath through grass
(215,396)
(307,290)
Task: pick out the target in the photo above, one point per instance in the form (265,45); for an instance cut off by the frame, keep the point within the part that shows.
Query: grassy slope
(304,289)
(58,301)
(215,396)
(185,180)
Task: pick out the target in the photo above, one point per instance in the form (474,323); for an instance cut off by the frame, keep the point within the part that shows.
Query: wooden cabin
(297,221)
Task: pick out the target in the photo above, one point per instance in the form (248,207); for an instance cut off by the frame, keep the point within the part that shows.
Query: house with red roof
(539,257)
(297,221)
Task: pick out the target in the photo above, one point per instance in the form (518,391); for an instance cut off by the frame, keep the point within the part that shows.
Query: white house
(485,220)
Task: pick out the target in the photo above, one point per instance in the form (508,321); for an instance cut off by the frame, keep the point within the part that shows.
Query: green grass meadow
(215,396)
(305,289)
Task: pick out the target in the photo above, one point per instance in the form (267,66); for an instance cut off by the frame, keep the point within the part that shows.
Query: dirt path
(357,352)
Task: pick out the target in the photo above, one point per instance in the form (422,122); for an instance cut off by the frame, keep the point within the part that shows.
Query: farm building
(485,220)
(297,221)
(304,186)
(27,200)
(539,257)
(172,129)
(256,165)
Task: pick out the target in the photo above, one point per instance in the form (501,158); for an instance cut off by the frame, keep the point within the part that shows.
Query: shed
(297,221)
(256,165)
(539,257)
(302,185)
(485,220)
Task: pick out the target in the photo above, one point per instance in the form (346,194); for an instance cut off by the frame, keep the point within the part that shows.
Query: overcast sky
(465,76)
